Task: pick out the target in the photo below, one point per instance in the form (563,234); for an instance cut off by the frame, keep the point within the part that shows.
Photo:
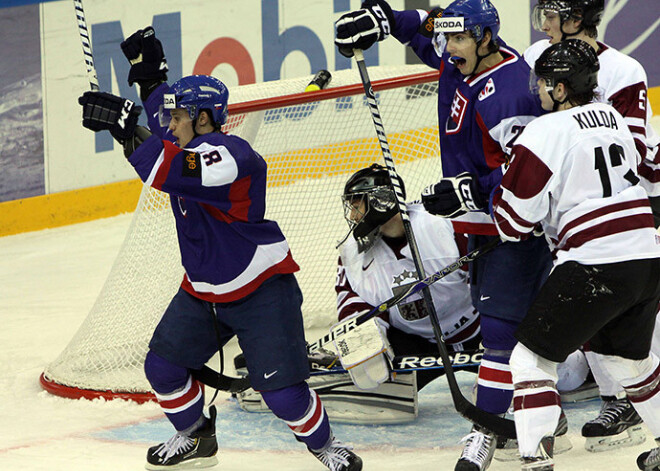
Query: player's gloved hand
(104,111)
(452,197)
(148,64)
(362,28)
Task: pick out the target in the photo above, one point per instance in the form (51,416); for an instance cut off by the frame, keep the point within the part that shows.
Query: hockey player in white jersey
(376,263)
(622,82)
(572,173)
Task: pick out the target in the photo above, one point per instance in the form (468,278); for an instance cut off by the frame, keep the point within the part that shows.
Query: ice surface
(49,281)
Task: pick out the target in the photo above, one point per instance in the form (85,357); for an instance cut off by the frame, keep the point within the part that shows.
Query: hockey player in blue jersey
(238,276)
(483,104)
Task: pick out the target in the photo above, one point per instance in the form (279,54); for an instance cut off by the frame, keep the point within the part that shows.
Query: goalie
(374,265)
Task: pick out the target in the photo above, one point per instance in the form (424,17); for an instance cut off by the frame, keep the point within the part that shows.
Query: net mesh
(311,149)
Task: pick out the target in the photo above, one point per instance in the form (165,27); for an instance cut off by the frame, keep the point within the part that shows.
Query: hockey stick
(464,407)
(467,360)
(86,46)
(396,299)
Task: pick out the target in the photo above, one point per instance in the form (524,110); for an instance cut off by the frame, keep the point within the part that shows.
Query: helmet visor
(544,11)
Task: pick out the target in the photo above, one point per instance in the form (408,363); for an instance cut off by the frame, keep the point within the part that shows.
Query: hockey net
(312,142)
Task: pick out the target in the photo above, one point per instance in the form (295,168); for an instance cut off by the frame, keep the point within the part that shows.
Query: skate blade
(197,463)
(510,450)
(633,436)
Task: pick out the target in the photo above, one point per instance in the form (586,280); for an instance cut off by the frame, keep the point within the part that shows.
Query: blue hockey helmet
(196,93)
(477,16)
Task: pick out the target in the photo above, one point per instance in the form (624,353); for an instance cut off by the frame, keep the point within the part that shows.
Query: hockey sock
(303,412)
(536,402)
(180,396)
(494,385)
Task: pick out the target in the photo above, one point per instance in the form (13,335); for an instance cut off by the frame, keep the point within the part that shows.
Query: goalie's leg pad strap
(302,411)
(180,396)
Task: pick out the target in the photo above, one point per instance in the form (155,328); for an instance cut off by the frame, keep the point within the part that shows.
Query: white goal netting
(311,148)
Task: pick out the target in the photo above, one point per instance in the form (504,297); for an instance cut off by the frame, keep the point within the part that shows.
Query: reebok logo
(449,25)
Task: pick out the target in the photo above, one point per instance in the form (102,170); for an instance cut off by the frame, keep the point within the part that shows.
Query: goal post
(311,142)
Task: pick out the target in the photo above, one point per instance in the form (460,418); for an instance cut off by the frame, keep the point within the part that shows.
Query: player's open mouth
(457,61)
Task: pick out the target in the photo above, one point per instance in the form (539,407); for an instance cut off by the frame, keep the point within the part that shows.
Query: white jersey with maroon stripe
(365,280)
(572,172)
(622,83)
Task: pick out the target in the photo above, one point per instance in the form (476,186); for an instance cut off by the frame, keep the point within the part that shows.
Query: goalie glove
(454,196)
(362,28)
(104,111)
(148,64)
(365,353)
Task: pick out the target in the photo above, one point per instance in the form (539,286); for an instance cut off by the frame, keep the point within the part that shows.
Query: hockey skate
(478,451)
(606,432)
(543,459)
(339,457)
(196,450)
(650,460)
(507,448)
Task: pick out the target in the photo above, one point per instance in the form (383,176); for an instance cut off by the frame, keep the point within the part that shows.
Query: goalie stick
(464,407)
(467,360)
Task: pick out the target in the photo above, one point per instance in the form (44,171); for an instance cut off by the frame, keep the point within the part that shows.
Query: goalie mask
(369,202)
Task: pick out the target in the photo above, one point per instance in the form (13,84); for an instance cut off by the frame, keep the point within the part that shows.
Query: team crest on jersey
(413,307)
(457,113)
(488,90)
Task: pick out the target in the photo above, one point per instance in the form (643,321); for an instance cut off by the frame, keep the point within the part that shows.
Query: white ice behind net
(310,149)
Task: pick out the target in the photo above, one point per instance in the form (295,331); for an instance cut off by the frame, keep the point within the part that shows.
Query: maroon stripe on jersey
(528,175)
(601,212)
(494,154)
(504,225)
(607,228)
(506,207)
(649,173)
(646,389)
(346,309)
(532,401)
(465,334)
(631,101)
(170,150)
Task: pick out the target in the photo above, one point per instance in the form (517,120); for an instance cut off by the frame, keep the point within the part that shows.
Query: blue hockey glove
(452,197)
(362,28)
(148,64)
(103,111)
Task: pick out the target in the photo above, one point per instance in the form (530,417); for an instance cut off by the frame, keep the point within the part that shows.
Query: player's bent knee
(528,366)
(627,371)
(163,375)
(289,403)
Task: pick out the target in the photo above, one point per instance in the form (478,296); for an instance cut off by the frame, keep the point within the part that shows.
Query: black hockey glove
(362,28)
(103,111)
(452,197)
(148,64)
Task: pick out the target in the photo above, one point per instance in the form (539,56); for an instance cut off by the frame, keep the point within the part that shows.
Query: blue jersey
(217,188)
(479,116)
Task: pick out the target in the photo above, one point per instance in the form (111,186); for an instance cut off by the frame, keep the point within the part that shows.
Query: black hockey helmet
(572,62)
(373,187)
(589,11)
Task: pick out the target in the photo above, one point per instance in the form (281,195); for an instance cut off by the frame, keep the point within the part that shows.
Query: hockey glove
(148,64)
(453,197)
(103,111)
(362,28)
